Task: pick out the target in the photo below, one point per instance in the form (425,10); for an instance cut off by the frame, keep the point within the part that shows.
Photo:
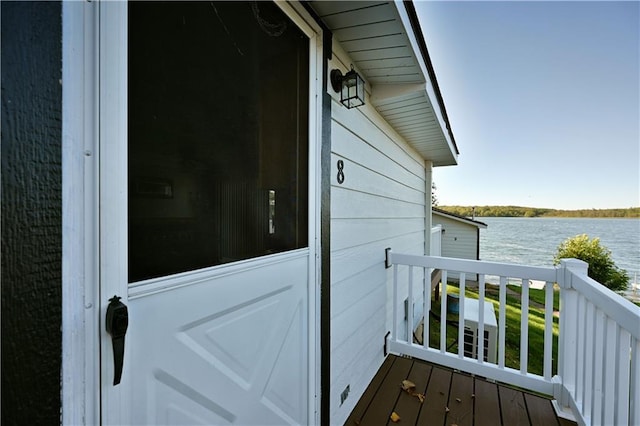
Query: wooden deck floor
(451,398)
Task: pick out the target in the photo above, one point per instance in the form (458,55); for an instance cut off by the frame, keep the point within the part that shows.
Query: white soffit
(378,38)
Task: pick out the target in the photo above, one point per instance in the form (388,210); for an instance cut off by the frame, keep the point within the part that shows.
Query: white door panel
(226,350)
(228,344)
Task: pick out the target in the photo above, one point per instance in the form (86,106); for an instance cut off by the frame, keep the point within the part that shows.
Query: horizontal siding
(458,240)
(352,233)
(381,135)
(351,204)
(354,320)
(356,287)
(346,144)
(348,262)
(353,372)
(366,180)
(380,204)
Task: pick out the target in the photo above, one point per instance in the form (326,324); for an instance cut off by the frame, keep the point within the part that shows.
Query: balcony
(450,398)
(590,358)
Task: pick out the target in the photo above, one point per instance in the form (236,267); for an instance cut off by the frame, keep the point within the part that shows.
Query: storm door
(205,121)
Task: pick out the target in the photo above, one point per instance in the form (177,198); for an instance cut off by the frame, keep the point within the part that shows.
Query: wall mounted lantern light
(350,86)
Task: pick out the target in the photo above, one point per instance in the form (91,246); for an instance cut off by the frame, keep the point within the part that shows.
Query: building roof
(459,218)
(384,41)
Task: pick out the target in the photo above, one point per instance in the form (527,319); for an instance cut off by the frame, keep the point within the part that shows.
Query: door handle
(117,322)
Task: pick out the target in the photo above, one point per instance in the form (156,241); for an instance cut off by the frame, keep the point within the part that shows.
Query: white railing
(599,359)
(598,349)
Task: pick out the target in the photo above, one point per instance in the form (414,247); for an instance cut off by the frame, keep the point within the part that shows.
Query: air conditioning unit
(471,311)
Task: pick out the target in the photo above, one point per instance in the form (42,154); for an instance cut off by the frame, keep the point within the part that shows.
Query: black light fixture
(350,86)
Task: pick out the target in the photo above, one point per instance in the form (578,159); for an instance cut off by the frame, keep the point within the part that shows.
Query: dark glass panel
(218,125)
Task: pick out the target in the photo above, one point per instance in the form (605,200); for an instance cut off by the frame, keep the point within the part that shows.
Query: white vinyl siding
(459,240)
(380,204)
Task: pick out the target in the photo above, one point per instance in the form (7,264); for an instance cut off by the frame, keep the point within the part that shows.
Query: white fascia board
(404,17)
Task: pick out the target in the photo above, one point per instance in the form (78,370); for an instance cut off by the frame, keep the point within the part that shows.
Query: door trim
(80,380)
(113,202)
(308,24)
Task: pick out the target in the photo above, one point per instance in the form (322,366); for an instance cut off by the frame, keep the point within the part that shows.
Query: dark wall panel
(31,47)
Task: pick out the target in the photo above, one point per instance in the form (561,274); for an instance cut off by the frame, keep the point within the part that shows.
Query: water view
(534,241)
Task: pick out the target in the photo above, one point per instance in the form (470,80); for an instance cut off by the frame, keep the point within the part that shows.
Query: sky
(543,99)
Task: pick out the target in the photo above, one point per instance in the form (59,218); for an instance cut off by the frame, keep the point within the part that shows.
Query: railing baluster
(580,347)
(587,397)
(524,326)
(610,373)
(410,307)
(598,376)
(396,308)
(461,296)
(427,308)
(635,385)
(548,330)
(503,321)
(624,370)
(480,336)
(443,313)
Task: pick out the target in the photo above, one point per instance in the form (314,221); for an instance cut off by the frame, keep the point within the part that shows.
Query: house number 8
(340,172)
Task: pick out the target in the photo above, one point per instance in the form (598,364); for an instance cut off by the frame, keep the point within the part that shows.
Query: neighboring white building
(460,236)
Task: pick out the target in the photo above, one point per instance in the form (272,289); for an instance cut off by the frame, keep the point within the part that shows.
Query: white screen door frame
(113,245)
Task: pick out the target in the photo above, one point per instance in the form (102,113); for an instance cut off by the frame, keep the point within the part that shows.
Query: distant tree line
(517,211)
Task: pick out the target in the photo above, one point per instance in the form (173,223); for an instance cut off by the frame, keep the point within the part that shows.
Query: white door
(207,212)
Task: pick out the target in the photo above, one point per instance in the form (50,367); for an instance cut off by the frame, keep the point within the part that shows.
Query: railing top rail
(477,267)
(614,306)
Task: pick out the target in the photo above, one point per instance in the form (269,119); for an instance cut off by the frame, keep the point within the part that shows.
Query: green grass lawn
(513,314)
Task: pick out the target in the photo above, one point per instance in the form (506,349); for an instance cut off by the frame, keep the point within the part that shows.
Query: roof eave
(459,218)
(384,43)
(412,17)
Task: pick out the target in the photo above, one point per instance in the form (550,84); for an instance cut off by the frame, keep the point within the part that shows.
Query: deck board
(450,398)
(436,398)
(487,403)
(385,399)
(540,410)
(513,409)
(461,401)
(410,405)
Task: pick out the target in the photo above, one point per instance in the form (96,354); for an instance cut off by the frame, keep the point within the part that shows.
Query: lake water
(535,241)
